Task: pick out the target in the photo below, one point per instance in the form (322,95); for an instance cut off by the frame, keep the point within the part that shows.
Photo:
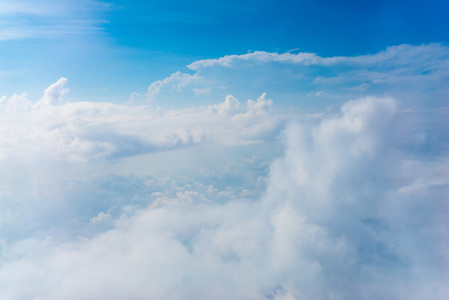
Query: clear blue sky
(108,50)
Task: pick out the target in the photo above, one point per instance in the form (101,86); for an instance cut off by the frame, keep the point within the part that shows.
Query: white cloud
(101,217)
(261,56)
(336,222)
(180,203)
(201,92)
(176,81)
(288,77)
(230,107)
(84,131)
(15,103)
(395,55)
(53,95)
(51,18)
(48,7)
(259,107)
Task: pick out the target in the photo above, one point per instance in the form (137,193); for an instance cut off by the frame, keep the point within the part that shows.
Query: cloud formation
(23,19)
(84,131)
(339,220)
(416,75)
(122,201)
(53,95)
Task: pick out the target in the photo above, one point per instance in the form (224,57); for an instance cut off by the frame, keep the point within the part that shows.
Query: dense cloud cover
(355,207)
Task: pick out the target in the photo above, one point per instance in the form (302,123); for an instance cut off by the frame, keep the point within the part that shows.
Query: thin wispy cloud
(50,19)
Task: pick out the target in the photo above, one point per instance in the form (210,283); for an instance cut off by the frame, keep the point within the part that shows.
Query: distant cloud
(85,131)
(176,81)
(343,77)
(51,18)
(229,107)
(54,93)
(262,56)
(101,217)
(200,92)
(395,55)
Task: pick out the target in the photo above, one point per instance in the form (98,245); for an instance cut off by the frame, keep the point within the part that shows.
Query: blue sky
(109,50)
(224,150)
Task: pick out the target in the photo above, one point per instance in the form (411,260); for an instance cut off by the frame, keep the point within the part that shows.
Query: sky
(224,150)
(110,49)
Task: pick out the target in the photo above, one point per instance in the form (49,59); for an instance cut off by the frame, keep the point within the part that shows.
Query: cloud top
(312,82)
(131,201)
(338,220)
(53,95)
(84,131)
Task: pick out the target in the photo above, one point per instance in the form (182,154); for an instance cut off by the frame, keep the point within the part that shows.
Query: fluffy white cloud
(121,201)
(416,75)
(53,95)
(85,131)
(346,215)
(231,107)
(176,81)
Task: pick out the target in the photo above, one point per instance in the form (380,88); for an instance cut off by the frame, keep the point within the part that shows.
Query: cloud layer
(84,131)
(416,75)
(342,218)
(129,201)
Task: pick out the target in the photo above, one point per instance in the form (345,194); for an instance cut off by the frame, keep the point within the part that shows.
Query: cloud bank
(342,218)
(84,131)
(416,75)
(129,201)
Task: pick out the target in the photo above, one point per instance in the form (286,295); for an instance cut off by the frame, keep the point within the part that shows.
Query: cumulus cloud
(176,81)
(84,131)
(339,220)
(53,95)
(15,103)
(231,107)
(121,201)
(291,77)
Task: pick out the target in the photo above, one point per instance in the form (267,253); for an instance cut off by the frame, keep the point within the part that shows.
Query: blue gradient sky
(110,49)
